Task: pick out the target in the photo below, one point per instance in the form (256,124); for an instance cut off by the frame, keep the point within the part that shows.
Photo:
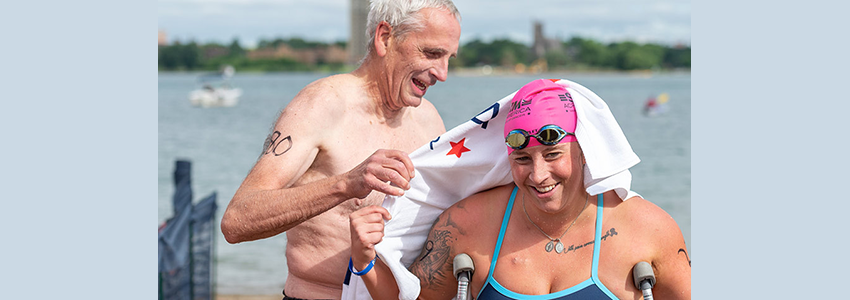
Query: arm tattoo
(429,267)
(273,145)
(433,265)
(686,256)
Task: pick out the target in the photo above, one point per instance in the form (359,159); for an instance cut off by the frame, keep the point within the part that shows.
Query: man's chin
(413,105)
(413,100)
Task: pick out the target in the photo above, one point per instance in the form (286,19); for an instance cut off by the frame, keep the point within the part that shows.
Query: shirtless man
(342,144)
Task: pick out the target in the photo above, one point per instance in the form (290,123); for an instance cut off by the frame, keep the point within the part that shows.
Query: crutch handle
(644,279)
(463,269)
(643,271)
(463,263)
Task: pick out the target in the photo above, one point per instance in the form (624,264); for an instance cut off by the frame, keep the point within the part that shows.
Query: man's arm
(433,267)
(267,203)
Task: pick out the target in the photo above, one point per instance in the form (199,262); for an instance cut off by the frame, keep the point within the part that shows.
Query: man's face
(421,57)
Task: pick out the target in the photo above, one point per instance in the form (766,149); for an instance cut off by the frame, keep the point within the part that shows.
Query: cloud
(222,20)
(666,21)
(612,20)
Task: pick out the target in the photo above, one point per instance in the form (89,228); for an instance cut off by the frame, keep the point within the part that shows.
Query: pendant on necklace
(559,247)
(550,245)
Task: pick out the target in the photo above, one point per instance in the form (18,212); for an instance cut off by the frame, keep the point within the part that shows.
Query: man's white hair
(402,16)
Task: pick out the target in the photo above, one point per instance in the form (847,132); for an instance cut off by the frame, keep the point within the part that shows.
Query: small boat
(215,90)
(656,105)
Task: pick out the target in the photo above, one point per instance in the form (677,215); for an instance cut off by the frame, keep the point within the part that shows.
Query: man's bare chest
(351,146)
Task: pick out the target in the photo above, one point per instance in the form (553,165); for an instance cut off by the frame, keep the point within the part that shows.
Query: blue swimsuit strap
(597,245)
(502,232)
(597,241)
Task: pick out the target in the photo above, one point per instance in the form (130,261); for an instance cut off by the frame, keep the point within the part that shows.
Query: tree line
(574,54)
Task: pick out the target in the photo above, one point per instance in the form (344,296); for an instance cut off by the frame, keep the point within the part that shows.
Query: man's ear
(382,38)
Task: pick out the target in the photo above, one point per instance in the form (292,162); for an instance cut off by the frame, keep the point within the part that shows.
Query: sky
(665,22)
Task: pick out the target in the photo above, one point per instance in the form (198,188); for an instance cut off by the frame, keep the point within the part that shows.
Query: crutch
(463,269)
(644,279)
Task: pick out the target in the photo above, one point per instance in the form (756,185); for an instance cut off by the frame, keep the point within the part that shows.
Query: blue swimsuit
(592,288)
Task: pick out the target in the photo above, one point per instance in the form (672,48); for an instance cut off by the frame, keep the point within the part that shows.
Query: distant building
(162,39)
(334,54)
(542,44)
(358,38)
(330,54)
(213,51)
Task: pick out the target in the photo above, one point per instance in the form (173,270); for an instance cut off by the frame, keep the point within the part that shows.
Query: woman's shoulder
(489,196)
(638,210)
(648,221)
(476,211)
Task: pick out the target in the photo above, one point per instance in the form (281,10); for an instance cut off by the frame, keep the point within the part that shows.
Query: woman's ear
(382,38)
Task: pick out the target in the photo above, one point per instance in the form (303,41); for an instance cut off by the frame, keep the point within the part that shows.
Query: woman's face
(549,174)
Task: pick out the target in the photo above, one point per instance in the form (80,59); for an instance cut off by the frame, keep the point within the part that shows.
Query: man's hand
(367,230)
(385,171)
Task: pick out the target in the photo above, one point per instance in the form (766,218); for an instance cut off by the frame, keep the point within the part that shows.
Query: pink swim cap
(539,103)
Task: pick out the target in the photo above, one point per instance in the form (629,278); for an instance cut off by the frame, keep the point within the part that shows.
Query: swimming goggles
(548,135)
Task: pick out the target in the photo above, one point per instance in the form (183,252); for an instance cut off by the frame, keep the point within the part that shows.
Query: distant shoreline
(477,72)
(482,72)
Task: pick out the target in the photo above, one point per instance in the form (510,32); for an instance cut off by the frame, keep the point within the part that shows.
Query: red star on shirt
(458,148)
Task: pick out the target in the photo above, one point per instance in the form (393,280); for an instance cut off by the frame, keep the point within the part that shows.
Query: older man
(342,144)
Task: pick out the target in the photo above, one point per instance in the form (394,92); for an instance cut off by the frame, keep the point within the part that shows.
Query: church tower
(357,38)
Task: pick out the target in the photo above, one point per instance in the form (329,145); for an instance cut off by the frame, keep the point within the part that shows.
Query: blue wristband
(366,270)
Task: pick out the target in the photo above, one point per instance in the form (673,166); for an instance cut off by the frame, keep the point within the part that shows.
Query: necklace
(553,243)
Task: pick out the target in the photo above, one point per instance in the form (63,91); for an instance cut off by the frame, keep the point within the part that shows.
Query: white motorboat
(216,90)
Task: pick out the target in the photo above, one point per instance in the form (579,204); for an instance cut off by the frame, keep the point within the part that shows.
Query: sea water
(224,143)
